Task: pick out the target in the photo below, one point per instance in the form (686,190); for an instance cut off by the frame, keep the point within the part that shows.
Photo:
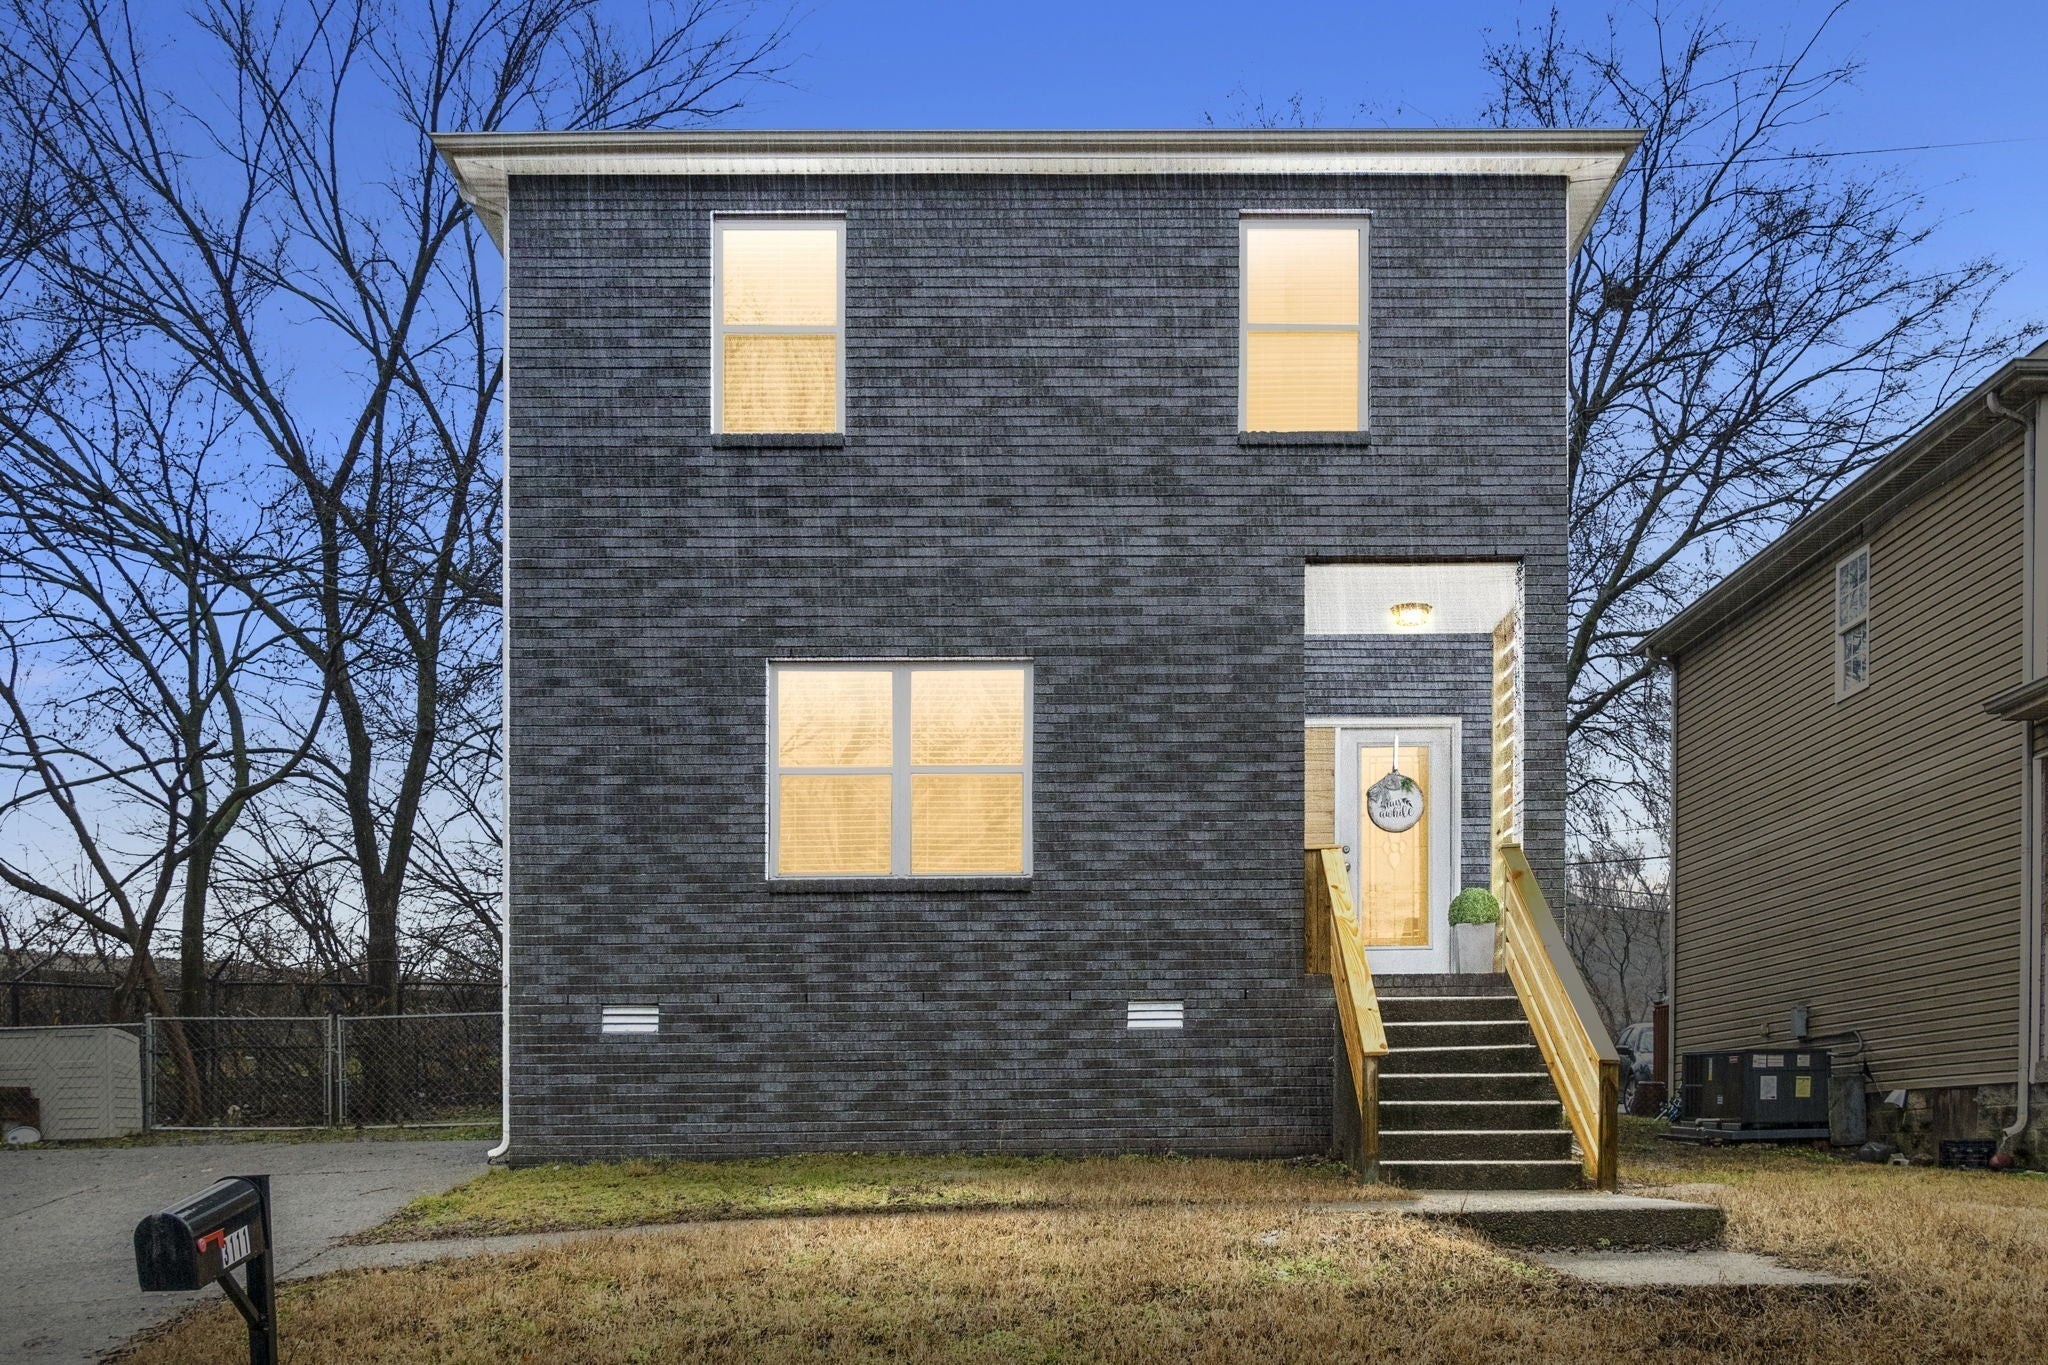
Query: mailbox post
(201,1240)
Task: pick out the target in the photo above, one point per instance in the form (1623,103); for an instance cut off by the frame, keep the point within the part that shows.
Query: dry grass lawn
(634,1193)
(1953,1260)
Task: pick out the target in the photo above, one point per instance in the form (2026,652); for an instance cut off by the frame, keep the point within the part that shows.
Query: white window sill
(784,440)
(1304,438)
(869,886)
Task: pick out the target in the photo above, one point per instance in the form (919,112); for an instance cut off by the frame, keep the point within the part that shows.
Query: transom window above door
(778,340)
(903,770)
(1301,344)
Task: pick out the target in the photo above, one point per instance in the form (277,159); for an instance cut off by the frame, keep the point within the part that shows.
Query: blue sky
(1947,72)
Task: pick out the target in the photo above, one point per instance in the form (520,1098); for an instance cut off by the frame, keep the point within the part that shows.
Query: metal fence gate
(313,1071)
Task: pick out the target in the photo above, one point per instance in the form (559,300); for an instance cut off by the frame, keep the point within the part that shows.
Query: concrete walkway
(380,1254)
(67,1224)
(1642,1241)
(1703,1268)
(1685,1270)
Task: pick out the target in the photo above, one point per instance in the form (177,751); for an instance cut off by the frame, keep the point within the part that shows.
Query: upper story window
(1852,622)
(1302,320)
(778,338)
(915,770)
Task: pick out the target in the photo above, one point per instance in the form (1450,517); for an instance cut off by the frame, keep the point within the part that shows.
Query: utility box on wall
(1784,1088)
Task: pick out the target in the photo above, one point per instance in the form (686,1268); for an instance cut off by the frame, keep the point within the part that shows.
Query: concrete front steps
(1572,1218)
(1466,1102)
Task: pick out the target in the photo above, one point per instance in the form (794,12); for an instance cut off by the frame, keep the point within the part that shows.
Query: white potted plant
(1474,915)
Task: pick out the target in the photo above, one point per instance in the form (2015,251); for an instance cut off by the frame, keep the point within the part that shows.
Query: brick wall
(1041,460)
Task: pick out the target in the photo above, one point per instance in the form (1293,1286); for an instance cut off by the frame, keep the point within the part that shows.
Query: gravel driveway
(67,1223)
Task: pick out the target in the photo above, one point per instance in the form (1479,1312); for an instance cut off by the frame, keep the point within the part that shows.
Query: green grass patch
(633,1193)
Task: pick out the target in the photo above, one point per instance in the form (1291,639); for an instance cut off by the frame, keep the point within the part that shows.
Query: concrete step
(1405,1009)
(1411,1033)
(1475,1144)
(1562,1218)
(1556,1174)
(1408,1115)
(1529,1082)
(1439,1059)
(1441,983)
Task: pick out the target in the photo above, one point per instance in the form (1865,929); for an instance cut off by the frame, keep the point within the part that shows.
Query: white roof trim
(1588,159)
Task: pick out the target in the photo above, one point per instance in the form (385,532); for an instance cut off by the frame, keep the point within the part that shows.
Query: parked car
(1637,1045)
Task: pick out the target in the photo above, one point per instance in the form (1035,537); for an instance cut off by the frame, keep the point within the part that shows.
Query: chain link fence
(313,1071)
(78,996)
(418,1069)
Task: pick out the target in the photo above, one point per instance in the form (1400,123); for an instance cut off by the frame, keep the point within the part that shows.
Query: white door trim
(1445,807)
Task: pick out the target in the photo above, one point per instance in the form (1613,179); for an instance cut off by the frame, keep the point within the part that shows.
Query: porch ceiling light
(1410,615)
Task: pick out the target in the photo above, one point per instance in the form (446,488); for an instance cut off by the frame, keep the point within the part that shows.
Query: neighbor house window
(777,329)
(1302,309)
(918,770)
(1852,622)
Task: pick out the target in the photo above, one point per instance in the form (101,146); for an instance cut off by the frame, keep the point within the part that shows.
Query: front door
(1401,880)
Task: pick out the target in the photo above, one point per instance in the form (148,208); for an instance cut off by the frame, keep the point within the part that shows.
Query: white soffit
(1358,599)
(1588,159)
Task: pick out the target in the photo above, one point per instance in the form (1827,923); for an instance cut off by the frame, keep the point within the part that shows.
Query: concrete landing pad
(1693,1269)
(1563,1218)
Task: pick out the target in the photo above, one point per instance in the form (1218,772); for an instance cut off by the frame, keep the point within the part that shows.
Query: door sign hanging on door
(1395,801)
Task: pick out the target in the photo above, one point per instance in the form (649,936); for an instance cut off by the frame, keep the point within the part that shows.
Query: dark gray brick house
(945,570)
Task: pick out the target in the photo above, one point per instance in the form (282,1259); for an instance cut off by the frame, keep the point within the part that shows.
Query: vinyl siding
(1862,857)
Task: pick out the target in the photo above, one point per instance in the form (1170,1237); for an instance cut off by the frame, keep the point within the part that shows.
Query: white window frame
(720,328)
(899,769)
(1843,687)
(1303,218)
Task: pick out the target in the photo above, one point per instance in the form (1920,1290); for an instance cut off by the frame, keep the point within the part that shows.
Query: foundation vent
(1151,1014)
(632,1019)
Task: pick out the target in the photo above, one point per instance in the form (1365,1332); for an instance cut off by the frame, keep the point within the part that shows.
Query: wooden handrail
(1568,1029)
(1333,945)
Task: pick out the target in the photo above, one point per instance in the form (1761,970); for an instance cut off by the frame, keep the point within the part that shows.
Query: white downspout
(499,1152)
(2030,781)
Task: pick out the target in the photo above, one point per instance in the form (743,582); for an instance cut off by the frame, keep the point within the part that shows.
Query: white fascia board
(1588,160)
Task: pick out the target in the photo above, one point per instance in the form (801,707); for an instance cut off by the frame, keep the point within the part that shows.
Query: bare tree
(144,704)
(1756,317)
(1754,320)
(1617,923)
(295,246)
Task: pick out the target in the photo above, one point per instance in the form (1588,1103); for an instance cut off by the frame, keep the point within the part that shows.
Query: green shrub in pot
(1474,913)
(1475,905)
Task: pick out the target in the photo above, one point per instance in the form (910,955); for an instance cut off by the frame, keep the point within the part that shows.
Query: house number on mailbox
(234,1245)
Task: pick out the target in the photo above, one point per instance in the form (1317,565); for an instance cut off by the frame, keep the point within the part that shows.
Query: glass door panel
(1393,869)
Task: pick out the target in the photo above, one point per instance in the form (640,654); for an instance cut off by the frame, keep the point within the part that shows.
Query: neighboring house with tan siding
(1857,780)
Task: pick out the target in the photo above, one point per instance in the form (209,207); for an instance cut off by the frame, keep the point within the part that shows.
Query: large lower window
(918,770)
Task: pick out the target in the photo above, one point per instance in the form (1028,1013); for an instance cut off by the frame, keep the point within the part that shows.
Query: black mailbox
(192,1244)
(199,1241)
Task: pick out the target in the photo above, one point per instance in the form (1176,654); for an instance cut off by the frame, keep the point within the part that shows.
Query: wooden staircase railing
(1332,944)
(1574,1042)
